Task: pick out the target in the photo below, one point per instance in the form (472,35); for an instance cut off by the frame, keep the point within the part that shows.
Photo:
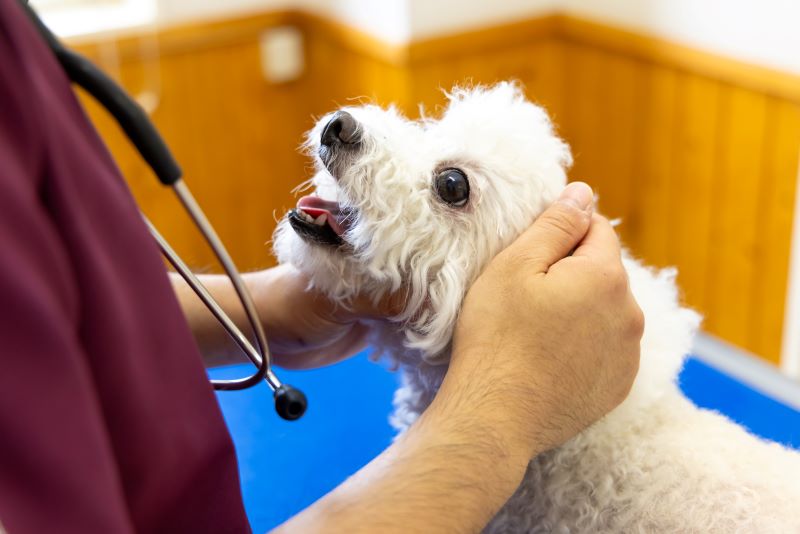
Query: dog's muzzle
(339,141)
(321,221)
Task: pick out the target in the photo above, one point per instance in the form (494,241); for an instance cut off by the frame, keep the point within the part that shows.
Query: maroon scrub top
(107,421)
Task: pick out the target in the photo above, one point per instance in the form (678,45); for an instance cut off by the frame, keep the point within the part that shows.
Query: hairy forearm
(304,328)
(215,344)
(450,472)
(434,478)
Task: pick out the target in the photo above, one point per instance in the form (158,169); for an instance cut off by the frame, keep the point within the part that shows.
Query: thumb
(560,228)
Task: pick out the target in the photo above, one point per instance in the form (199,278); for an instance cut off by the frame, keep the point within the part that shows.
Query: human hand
(547,342)
(304,328)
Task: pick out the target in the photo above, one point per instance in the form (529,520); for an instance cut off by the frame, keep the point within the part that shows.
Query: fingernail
(579,195)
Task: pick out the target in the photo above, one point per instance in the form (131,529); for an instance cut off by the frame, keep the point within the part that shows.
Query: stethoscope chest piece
(290,403)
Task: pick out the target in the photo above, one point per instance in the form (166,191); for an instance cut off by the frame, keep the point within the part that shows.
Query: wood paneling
(236,138)
(659,51)
(702,173)
(734,229)
(536,65)
(651,216)
(774,228)
(690,198)
(697,154)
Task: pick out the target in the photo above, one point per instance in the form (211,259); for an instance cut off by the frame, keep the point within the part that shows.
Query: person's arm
(545,345)
(304,329)
(450,472)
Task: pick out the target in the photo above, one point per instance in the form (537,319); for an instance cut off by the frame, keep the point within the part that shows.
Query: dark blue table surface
(286,466)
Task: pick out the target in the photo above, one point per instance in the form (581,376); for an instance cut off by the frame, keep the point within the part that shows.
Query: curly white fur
(656,463)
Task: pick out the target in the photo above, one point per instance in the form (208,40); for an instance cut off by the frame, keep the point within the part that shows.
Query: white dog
(426,205)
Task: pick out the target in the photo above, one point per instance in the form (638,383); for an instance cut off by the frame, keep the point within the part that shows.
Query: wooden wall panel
(582,121)
(236,137)
(732,264)
(650,217)
(696,167)
(618,103)
(537,66)
(690,195)
(773,227)
(697,154)
(601,123)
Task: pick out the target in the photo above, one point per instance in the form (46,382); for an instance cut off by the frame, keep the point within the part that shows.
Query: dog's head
(422,205)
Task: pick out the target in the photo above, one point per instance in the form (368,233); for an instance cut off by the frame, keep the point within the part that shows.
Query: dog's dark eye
(452,187)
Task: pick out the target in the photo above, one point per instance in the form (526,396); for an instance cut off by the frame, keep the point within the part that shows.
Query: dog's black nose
(342,129)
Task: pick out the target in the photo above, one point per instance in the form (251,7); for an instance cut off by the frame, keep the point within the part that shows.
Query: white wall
(430,18)
(92,19)
(174,11)
(766,32)
(387,19)
(759,31)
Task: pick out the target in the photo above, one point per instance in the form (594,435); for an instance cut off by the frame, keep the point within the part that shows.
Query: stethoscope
(290,403)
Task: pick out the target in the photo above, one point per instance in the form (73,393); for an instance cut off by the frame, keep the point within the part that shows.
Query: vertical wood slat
(233,151)
(535,65)
(619,107)
(774,228)
(691,194)
(732,264)
(602,95)
(544,77)
(651,217)
(581,123)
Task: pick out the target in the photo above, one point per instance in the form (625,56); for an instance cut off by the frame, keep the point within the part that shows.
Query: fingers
(601,241)
(365,307)
(353,341)
(560,228)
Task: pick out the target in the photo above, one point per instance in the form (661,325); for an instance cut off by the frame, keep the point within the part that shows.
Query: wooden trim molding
(484,39)
(192,37)
(562,27)
(355,40)
(653,49)
(570,29)
(189,38)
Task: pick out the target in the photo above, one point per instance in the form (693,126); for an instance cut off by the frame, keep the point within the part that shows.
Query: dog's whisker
(303,186)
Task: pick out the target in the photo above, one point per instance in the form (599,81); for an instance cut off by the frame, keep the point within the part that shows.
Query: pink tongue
(315,206)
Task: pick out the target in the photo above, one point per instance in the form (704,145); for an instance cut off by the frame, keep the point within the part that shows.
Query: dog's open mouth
(319,220)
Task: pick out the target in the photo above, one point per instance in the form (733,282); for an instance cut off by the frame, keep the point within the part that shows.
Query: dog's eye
(452,187)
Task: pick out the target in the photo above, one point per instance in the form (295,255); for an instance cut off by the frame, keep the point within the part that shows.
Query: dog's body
(425,206)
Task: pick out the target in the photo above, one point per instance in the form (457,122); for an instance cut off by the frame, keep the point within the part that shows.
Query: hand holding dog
(305,328)
(548,342)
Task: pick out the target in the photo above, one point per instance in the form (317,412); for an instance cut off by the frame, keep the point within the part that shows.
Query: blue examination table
(286,466)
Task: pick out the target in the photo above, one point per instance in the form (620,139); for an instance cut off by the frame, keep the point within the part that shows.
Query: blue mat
(286,466)
(762,415)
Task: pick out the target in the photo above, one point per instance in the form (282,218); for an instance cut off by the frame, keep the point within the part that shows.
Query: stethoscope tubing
(224,319)
(290,403)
